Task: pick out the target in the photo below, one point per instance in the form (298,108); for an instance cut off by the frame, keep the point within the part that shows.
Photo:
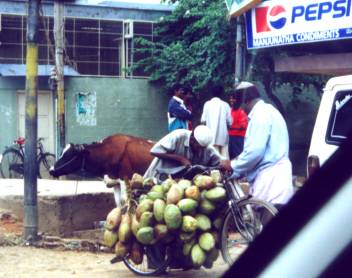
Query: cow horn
(111,182)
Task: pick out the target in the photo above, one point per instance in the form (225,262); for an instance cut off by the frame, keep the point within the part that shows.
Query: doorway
(45,118)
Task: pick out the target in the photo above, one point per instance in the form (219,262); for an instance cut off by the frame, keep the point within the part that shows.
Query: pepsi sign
(276,22)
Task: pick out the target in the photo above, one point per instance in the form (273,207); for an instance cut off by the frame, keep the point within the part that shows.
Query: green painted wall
(8,108)
(128,106)
(113,105)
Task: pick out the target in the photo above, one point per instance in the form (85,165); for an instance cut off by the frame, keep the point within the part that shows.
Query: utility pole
(239,51)
(59,62)
(30,159)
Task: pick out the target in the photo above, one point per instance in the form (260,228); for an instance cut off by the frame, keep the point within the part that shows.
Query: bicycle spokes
(249,222)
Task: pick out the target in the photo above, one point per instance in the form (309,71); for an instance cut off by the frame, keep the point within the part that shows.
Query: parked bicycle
(12,160)
(244,220)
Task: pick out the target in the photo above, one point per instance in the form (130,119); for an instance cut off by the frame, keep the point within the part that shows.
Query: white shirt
(266,141)
(177,142)
(217,116)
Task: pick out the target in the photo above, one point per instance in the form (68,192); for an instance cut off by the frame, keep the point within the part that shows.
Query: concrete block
(62,207)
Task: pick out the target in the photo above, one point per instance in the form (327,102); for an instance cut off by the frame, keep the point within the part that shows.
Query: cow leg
(120,194)
(117,195)
(116,184)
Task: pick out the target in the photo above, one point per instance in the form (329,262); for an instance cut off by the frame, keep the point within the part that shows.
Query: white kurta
(217,116)
(264,160)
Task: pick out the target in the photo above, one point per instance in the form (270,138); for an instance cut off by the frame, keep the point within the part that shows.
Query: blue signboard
(276,23)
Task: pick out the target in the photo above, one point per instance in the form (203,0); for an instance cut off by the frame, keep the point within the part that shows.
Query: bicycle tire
(143,268)
(45,161)
(12,164)
(239,231)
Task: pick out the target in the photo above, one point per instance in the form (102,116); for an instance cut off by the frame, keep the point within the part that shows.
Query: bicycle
(244,219)
(12,160)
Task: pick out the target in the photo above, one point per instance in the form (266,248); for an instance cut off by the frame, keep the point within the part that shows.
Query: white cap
(203,135)
(244,85)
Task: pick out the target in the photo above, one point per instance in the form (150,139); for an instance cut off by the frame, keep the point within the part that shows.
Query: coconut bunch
(186,214)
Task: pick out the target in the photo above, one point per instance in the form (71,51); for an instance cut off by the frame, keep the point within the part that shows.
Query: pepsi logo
(277,17)
(270,18)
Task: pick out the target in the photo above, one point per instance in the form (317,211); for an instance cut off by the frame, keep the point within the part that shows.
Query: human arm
(204,114)
(177,110)
(166,147)
(173,157)
(229,119)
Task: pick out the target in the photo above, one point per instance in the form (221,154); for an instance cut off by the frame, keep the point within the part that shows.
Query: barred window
(92,46)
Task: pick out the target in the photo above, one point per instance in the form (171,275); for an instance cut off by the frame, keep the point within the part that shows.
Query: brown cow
(117,156)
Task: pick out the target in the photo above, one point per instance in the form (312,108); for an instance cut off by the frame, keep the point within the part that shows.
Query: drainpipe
(59,62)
(30,165)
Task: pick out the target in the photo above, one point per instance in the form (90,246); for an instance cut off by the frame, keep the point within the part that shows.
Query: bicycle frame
(235,195)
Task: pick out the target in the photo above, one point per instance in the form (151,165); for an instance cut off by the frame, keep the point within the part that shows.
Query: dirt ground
(18,260)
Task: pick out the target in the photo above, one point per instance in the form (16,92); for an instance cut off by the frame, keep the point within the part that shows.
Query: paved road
(35,262)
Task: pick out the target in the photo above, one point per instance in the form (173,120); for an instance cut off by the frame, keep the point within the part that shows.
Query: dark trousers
(235,146)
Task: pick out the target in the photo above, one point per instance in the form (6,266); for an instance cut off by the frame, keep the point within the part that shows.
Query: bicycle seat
(20,141)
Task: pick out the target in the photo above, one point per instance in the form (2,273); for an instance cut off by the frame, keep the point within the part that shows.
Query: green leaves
(196,46)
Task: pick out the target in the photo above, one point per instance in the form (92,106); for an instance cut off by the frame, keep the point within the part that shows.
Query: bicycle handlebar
(193,170)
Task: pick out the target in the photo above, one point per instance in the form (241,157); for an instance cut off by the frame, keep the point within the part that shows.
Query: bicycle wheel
(11,164)
(44,163)
(239,230)
(155,261)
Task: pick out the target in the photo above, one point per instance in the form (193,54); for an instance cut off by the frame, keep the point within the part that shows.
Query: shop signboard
(238,7)
(278,22)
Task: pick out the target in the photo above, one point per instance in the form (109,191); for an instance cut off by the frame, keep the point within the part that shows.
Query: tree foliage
(195,46)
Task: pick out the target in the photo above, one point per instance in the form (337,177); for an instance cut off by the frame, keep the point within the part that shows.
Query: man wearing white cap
(182,148)
(264,160)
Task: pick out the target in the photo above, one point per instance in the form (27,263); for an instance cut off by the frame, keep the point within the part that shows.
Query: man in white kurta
(217,116)
(264,160)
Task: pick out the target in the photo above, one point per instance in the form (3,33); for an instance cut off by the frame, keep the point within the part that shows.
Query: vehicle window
(340,118)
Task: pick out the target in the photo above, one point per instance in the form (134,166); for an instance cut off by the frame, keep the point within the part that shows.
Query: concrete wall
(107,106)
(98,107)
(8,108)
(117,11)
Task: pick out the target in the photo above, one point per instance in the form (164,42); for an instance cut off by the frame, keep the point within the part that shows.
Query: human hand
(184,161)
(225,165)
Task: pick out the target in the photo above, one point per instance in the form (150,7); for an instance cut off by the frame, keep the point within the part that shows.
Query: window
(340,118)
(141,30)
(11,37)
(92,46)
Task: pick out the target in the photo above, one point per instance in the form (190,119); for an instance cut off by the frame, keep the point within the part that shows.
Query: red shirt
(239,122)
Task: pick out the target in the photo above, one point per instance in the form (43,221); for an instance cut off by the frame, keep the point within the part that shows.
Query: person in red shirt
(237,131)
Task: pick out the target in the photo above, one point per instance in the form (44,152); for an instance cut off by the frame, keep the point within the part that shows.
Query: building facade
(102,97)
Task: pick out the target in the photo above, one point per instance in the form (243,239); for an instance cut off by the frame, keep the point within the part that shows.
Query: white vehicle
(333,121)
